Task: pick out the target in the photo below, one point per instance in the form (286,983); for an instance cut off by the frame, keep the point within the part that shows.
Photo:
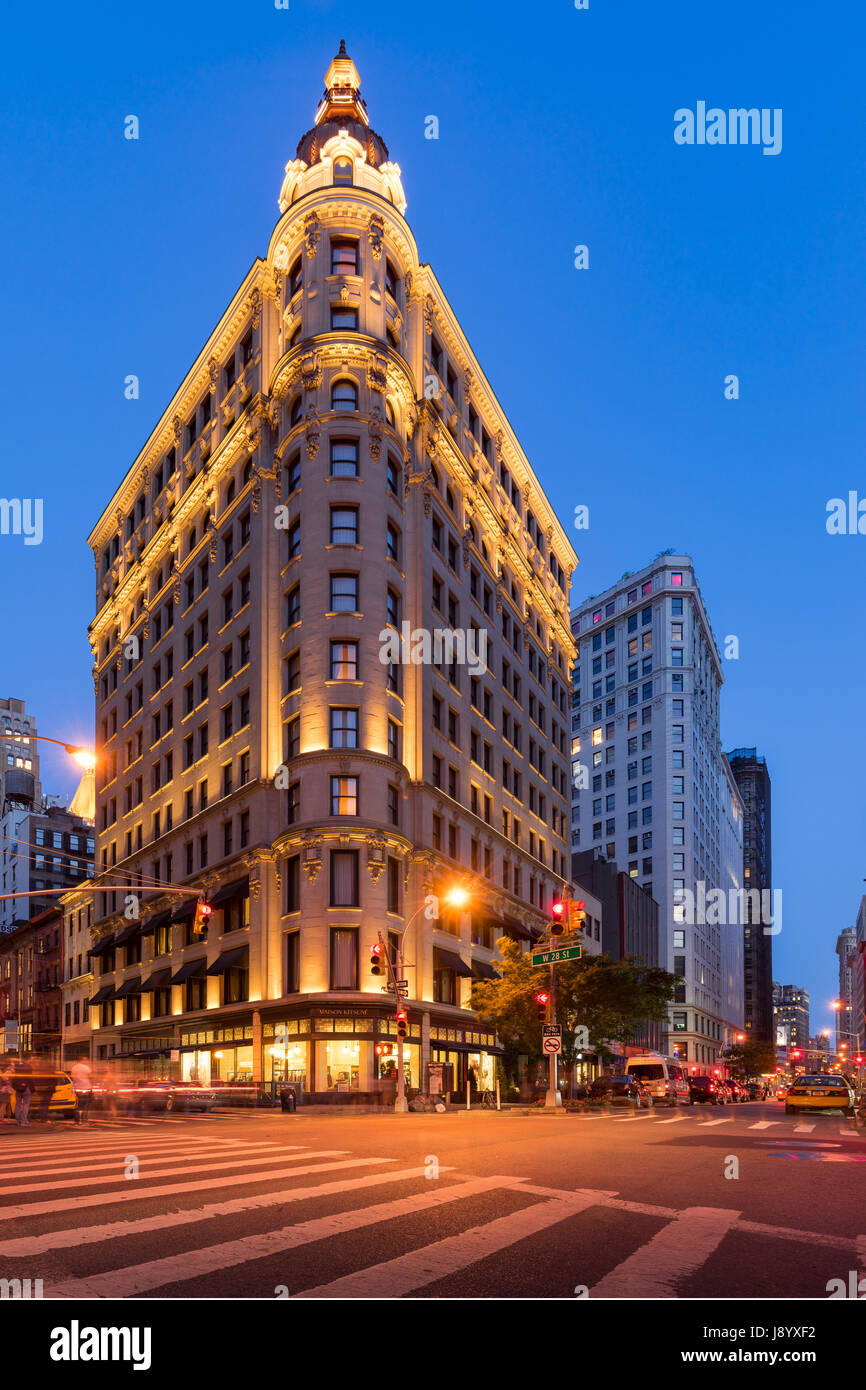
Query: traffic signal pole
(401,1104)
(553,1098)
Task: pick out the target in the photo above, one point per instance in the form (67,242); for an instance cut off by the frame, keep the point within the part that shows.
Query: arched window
(449,498)
(342,171)
(344,395)
(297,409)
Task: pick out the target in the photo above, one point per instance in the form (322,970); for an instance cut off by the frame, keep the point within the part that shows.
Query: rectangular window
(344,878)
(293,962)
(344,257)
(344,458)
(344,958)
(344,728)
(293,883)
(344,593)
(344,796)
(344,661)
(344,526)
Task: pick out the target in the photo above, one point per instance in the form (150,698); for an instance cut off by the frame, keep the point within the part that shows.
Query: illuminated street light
(82,756)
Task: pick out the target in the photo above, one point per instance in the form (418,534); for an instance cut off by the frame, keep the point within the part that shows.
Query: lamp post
(456,897)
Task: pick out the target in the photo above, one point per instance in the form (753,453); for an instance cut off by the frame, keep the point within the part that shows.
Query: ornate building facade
(332,662)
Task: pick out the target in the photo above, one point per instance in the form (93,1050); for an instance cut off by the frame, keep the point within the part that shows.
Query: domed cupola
(341,148)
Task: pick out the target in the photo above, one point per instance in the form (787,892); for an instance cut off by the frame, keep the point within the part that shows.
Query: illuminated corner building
(653,791)
(333,467)
(753,781)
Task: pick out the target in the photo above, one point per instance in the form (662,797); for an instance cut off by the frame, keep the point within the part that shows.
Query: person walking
(82,1081)
(22,1084)
(288,1100)
(43,1089)
(5,1089)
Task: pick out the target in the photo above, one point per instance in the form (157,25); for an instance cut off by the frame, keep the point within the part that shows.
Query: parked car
(703,1090)
(755,1090)
(781,1092)
(148,1095)
(620,1090)
(63,1100)
(739,1091)
(665,1077)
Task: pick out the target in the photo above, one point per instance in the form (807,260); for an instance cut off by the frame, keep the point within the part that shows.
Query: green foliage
(750,1058)
(611,999)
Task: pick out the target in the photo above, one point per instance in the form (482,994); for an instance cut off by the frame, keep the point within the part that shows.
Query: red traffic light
(205,909)
(558,911)
(376,958)
(557,908)
(542,997)
(858,1060)
(402,1023)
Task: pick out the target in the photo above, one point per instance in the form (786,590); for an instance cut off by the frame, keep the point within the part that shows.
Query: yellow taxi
(820,1092)
(63,1100)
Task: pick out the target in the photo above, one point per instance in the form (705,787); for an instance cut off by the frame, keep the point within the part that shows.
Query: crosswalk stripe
(707,1124)
(400,1276)
(114,1230)
(110,1160)
(657,1268)
(131,1192)
(676,1120)
(803,1129)
(765,1124)
(192,1264)
(239,1158)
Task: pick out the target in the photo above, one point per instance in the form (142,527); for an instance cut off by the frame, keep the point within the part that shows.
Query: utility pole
(553,1098)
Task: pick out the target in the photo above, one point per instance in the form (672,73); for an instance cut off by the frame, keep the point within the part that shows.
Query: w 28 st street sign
(551,957)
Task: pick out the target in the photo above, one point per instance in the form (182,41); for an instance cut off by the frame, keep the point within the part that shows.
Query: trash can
(287,1100)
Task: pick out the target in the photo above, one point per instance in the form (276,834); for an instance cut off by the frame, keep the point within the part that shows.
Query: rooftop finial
(342,53)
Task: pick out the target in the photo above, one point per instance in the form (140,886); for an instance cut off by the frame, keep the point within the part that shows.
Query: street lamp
(82,756)
(456,896)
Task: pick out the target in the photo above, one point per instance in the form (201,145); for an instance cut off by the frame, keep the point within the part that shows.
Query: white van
(665,1078)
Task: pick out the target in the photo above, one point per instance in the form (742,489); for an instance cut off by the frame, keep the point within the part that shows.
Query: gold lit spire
(342,95)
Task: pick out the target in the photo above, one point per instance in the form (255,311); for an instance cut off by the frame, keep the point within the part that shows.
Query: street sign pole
(553,1098)
(401,1105)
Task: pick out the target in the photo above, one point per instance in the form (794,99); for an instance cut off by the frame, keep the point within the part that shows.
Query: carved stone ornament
(213,372)
(407,285)
(177,426)
(377,374)
(428,501)
(311,372)
(467,381)
(465,543)
(213,539)
(376,234)
(281,257)
(175,569)
(312,233)
(256,491)
(376,855)
(428,313)
(312,432)
(375,432)
(312,858)
(256,306)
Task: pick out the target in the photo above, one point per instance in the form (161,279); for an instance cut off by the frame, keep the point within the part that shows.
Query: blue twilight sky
(556,128)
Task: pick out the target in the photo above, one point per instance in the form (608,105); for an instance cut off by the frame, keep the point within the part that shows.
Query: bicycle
(488,1099)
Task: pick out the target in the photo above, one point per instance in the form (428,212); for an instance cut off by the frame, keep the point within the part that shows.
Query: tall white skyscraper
(653,790)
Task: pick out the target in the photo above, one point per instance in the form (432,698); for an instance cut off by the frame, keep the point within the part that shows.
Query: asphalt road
(739,1201)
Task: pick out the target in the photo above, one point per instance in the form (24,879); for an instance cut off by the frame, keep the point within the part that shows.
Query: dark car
(620,1090)
(706,1090)
(166,1095)
(755,1090)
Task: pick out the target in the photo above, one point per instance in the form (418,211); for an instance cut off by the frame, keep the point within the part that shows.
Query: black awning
(127,933)
(231,890)
(188,970)
(103,995)
(512,925)
(161,919)
(185,911)
(129,987)
(158,980)
(481,970)
(227,960)
(102,946)
(449,960)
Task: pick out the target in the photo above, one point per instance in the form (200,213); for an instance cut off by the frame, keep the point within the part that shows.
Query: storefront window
(339,1065)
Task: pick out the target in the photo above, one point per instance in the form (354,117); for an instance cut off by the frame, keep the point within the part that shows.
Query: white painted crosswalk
(241,1203)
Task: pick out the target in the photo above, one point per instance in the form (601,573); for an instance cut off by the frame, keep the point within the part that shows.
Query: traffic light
(376,964)
(542,999)
(202,917)
(577,916)
(557,913)
(383,1049)
(402,1023)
